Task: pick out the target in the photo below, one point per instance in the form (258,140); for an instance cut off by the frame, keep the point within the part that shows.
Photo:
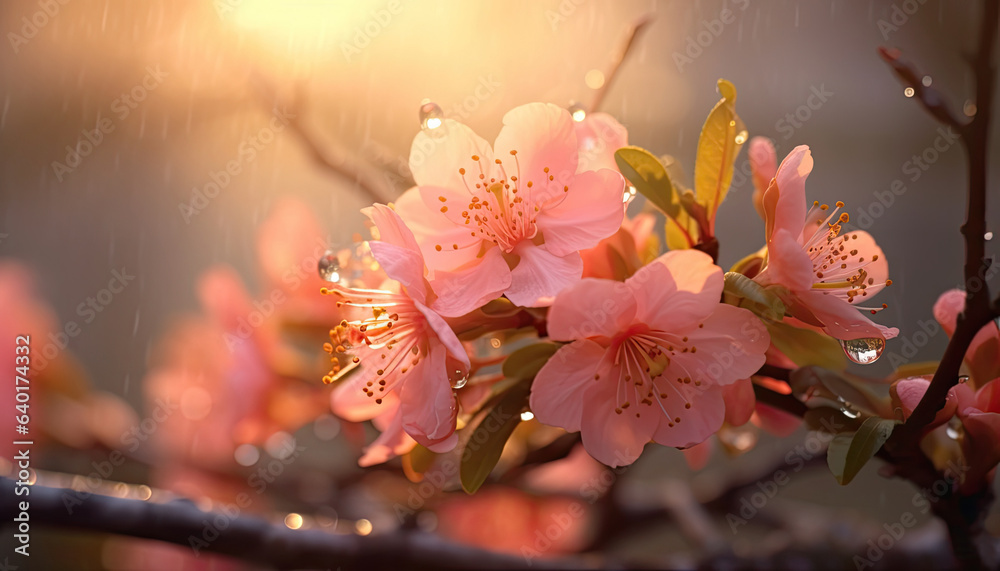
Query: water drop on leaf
(863,351)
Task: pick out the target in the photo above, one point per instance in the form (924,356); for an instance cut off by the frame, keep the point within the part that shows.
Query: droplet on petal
(578,111)
(329,267)
(527,415)
(629,195)
(863,351)
(457,378)
(963,379)
(431,115)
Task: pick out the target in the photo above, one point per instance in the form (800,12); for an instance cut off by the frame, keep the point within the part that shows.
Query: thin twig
(616,64)
(339,160)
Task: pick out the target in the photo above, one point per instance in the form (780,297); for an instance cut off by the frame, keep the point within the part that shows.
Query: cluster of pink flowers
(647,351)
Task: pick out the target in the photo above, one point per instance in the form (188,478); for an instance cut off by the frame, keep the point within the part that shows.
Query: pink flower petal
(289,235)
(730,347)
(349,401)
(599,135)
(591,308)
(434,157)
(787,263)
(763,166)
(698,455)
(431,228)
(784,201)
(611,438)
(556,391)
(444,334)
(776,421)
(403,265)
(703,419)
(841,320)
(676,290)
(391,443)
(471,286)
(948,307)
(740,401)
(589,212)
(427,401)
(544,137)
(540,275)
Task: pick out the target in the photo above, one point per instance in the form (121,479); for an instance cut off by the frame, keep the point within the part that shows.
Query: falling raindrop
(741,137)
(329,267)
(457,378)
(863,351)
(431,115)
(578,111)
(908,92)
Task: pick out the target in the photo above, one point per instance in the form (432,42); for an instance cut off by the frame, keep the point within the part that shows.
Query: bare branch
(616,64)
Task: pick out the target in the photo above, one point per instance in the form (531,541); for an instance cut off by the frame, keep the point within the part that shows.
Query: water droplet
(926,80)
(969,108)
(988,236)
(863,351)
(293,521)
(963,379)
(849,412)
(629,195)
(741,137)
(495,342)
(954,430)
(578,111)
(527,415)
(431,115)
(329,267)
(952,433)
(908,92)
(457,378)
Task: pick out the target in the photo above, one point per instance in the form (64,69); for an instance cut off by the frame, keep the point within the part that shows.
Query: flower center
(503,208)
(388,338)
(646,362)
(838,264)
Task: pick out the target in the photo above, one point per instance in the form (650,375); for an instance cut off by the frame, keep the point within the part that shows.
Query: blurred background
(174,141)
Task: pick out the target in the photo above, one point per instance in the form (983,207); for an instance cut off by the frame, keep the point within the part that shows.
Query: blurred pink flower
(406,351)
(519,217)
(598,136)
(763,166)
(512,521)
(648,359)
(622,254)
(822,272)
(983,356)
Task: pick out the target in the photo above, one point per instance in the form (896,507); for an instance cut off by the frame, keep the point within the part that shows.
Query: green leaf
(742,291)
(805,347)
(419,459)
(649,176)
(721,138)
(848,453)
(857,391)
(527,361)
(487,441)
(830,420)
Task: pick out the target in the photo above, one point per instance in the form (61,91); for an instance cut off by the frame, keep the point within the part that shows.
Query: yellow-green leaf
(721,138)
(484,447)
(806,347)
(848,453)
(649,176)
(742,291)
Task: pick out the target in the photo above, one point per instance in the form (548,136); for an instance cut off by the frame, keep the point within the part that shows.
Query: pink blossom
(648,358)
(598,136)
(983,355)
(763,166)
(622,254)
(822,271)
(407,352)
(515,220)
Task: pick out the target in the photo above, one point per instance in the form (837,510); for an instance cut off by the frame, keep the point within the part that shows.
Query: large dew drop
(329,267)
(863,351)
(457,378)
(431,115)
